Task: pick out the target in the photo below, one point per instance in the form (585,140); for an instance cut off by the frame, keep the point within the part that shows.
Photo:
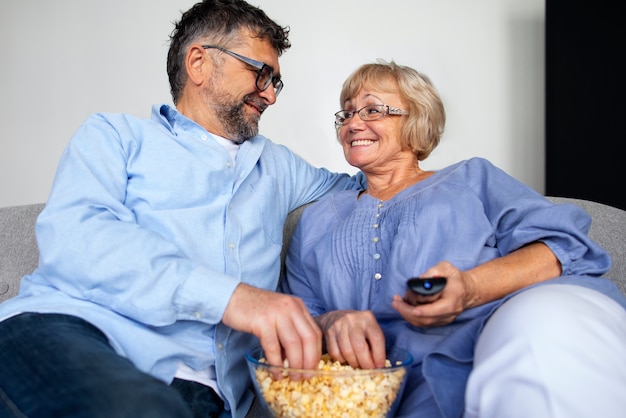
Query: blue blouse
(349,253)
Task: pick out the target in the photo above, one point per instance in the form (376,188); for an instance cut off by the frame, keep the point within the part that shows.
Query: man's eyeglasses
(264,75)
(367,113)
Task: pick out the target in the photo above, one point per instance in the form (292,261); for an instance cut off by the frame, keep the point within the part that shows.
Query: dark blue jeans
(61,366)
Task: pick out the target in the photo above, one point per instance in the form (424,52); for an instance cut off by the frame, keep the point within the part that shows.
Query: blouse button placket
(376,238)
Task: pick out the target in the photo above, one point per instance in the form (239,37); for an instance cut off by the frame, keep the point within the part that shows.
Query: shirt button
(375,226)
(376,256)
(204,138)
(378,276)
(220,346)
(231,246)
(228,164)
(197,314)
(377,215)
(375,240)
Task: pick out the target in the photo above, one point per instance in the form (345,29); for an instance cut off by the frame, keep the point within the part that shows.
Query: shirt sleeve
(93,248)
(519,216)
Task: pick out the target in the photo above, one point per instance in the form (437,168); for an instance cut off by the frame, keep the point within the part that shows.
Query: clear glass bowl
(331,391)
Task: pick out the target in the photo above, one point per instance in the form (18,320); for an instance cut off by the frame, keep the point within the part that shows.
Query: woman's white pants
(554,351)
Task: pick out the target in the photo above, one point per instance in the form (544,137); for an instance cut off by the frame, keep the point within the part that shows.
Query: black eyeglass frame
(387,110)
(260,66)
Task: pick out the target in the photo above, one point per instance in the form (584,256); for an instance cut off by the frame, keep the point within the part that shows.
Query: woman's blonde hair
(425,122)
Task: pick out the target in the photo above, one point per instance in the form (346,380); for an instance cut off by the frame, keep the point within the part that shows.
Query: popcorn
(342,395)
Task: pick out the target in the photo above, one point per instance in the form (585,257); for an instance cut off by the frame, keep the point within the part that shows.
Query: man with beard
(160,243)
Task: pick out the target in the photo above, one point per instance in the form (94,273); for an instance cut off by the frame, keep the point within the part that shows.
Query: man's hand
(281,322)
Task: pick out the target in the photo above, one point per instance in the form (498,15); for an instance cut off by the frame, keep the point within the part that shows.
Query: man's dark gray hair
(218,21)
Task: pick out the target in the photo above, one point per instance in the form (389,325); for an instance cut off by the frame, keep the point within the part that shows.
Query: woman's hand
(353,337)
(441,308)
(484,283)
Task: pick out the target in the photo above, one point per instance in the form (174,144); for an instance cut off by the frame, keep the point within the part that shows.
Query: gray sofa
(19,254)
(18,248)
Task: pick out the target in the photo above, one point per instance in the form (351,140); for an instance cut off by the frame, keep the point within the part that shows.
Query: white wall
(64,59)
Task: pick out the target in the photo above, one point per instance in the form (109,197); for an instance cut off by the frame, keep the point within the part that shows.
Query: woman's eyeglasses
(367,113)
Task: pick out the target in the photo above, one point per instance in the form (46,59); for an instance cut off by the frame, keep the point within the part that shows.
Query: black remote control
(427,286)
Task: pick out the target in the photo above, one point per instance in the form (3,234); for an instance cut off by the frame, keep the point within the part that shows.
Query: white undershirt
(229,146)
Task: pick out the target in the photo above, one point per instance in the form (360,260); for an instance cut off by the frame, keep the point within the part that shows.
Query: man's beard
(239,126)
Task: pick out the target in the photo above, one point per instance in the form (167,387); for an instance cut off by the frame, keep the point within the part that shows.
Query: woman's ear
(197,64)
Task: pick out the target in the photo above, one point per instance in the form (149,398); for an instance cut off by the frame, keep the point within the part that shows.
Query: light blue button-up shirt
(149,228)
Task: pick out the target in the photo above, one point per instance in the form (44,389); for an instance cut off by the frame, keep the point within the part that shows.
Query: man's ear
(197,64)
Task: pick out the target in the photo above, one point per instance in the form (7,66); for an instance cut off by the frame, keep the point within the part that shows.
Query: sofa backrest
(19,253)
(608,229)
(18,247)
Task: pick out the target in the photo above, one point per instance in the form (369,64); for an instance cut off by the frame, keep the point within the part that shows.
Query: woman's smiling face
(375,144)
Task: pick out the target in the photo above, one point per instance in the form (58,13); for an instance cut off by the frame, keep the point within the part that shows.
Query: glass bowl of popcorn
(332,390)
